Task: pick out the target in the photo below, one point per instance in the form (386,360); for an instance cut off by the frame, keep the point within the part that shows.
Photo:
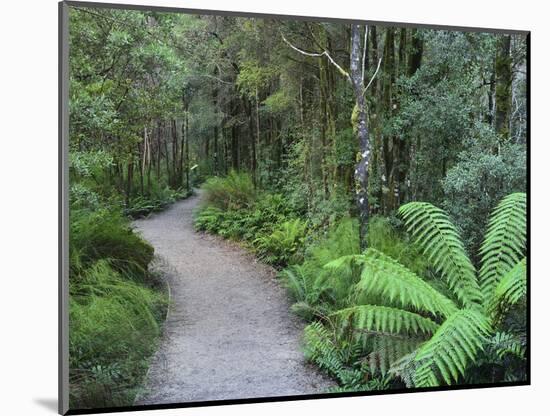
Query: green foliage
(115,306)
(88,164)
(209,219)
(385,319)
(268,211)
(384,277)
(510,290)
(441,243)
(114,324)
(106,234)
(234,210)
(284,245)
(82,197)
(504,243)
(412,331)
(318,290)
(386,238)
(321,347)
(451,349)
(143,205)
(278,102)
(479,180)
(234,191)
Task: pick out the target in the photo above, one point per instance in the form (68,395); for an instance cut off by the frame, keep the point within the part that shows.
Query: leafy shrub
(209,219)
(107,234)
(82,197)
(264,223)
(477,182)
(268,211)
(234,191)
(284,245)
(115,308)
(340,359)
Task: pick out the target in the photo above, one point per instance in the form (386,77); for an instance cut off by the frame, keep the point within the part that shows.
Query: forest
(380,171)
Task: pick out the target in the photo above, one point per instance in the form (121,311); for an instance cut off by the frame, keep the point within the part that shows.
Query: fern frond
(344,262)
(387,350)
(505,343)
(455,345)
(388,320)
(321,348)
(511,288)
(296,282)
(505,240)
(434,232)
(404,368)
(382,275)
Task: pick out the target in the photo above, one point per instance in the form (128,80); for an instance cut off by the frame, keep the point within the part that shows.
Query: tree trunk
(257,150)
(141,151)
(253,158)
(129,179)
(186,121)
(362,167)
(503,69)
(174,182)
(388,148)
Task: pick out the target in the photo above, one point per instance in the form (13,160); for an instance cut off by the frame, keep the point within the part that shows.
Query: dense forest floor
(229,332)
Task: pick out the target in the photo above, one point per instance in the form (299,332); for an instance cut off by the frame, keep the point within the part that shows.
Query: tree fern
(455,344)
(386,320)
(384,276)
(411,330)
(504,243)
(388,350)
(511,288)
(440,241)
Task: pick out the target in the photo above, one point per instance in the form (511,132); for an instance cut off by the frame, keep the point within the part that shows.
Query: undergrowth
(116,308)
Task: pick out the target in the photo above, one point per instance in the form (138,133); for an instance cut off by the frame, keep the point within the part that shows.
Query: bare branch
(374,76)
(318,55)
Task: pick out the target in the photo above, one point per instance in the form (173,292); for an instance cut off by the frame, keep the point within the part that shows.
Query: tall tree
(355,77)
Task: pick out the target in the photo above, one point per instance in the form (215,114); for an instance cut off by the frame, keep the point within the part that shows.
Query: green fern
(386,320)
(452,348)
(285,244)
(388,350)
(385,277)
(411,330)
(504,243)
(505,343)
(511,288)
(321,347)
(434,232)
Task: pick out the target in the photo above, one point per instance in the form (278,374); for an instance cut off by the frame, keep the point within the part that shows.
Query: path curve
(229,332)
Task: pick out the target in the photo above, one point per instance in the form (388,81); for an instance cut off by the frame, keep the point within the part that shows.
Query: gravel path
(229,332)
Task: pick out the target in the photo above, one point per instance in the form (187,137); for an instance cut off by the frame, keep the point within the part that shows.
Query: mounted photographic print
(265,208)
